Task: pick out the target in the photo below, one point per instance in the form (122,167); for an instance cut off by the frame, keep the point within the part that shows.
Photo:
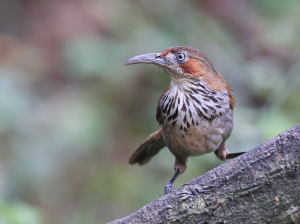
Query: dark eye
(180,57)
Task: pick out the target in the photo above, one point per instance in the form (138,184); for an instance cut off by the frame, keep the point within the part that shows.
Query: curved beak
(152,58)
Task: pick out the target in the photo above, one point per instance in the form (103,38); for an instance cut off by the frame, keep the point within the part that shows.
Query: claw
(169,188)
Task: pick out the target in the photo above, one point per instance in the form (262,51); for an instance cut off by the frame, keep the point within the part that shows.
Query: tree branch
(260,186)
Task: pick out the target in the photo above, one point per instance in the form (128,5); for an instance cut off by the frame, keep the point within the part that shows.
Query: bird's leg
(233,154)
(169,187)
(180,167)
(222,153)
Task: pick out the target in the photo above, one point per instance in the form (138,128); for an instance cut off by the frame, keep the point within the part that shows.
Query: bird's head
(179,62)
(186,63)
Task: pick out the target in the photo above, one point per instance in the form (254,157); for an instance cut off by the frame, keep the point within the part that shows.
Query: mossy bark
(260,186)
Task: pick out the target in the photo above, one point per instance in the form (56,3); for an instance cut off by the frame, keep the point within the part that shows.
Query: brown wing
(158,116)
(149,148)
(158,113)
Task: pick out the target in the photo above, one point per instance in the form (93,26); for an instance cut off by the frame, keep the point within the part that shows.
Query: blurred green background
(71,113)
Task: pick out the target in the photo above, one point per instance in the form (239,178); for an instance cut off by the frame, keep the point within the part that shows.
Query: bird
(195,111)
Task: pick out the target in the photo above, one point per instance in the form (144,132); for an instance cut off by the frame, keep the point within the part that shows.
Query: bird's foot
(169,188)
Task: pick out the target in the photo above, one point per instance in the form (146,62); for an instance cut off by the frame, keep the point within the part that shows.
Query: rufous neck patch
(195,69)
(192,67)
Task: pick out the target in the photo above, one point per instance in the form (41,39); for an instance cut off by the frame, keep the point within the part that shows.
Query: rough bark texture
(261,186)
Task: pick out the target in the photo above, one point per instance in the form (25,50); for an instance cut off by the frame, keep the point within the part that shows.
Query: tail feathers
(149,148)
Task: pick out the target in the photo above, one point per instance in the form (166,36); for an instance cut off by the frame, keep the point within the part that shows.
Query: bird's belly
(199,137)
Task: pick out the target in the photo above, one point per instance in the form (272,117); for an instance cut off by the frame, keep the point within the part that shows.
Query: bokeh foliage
(71,113)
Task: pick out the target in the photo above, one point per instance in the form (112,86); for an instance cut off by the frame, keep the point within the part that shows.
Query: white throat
(192,99)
